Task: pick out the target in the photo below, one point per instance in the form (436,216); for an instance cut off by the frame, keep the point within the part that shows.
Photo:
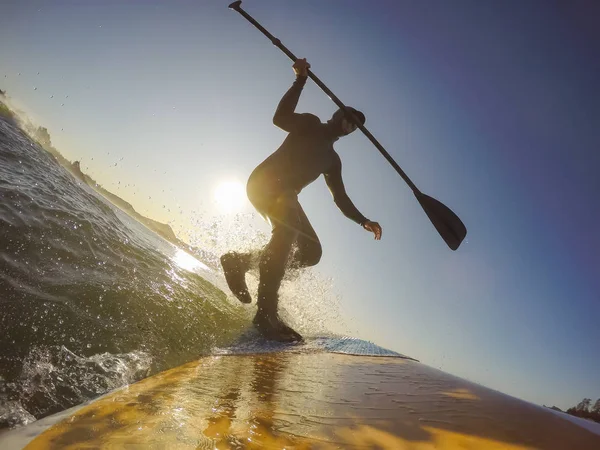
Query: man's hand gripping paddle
(450,227)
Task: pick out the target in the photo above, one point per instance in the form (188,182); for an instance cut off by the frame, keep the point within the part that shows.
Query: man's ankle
(267,304)
(266,310)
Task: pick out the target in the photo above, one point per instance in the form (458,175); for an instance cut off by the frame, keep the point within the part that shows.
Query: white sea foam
(54,378)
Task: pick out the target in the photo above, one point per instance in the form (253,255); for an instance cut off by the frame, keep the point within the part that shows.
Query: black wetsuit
(273,189)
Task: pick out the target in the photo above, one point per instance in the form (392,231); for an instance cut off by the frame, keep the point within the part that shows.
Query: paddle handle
(237,7)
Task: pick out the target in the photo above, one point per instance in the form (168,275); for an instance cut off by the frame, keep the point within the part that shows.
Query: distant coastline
(42,137)
(162,229)
(584,410)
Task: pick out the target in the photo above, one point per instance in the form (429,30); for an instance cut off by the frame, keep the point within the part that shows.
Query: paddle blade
(450,227)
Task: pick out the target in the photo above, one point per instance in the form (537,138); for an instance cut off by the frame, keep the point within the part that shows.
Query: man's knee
(310,256)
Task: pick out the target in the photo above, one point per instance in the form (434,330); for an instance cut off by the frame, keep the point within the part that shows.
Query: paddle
(450,227)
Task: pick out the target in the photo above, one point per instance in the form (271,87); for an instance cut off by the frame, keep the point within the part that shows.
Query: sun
(230,196)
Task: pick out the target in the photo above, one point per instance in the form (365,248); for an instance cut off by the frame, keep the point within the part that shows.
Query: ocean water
(89,298)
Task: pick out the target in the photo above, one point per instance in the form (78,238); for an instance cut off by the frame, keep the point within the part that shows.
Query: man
(273,189)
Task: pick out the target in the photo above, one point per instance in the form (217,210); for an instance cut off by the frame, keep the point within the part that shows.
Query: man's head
(343,125)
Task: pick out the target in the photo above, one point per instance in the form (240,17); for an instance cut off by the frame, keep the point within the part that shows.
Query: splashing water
(54,378)
(308,300)
(92,299)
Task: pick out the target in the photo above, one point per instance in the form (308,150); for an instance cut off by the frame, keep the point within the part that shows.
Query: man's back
(305,154)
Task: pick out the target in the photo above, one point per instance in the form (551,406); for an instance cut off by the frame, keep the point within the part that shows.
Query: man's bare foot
(235,275)
(272,327)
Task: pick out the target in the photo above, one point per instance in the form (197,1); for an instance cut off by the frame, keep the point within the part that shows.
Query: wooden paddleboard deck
(322,400)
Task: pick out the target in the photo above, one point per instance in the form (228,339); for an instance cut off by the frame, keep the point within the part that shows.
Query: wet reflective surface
(91,299)
(311,400)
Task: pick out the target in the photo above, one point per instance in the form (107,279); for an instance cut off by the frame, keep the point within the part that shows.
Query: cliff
(42,136)
(162,229)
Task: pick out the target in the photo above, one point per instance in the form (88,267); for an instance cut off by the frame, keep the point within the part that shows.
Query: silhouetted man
(273,189)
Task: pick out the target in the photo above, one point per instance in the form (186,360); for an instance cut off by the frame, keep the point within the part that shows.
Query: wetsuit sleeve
(285,117)
(333,178)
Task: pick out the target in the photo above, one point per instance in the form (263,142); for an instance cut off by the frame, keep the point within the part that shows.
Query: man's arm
(285,117)
(334,181)
(333,178)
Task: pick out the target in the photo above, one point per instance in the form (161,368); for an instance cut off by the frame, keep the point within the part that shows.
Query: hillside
(42,136)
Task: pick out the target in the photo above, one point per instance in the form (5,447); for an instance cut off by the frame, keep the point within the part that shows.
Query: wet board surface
(308,397)
(251,343)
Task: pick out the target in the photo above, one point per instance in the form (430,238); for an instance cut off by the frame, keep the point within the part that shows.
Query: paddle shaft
(236,6)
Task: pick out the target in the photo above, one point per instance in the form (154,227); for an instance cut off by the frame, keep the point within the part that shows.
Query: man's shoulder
(306,123)
(311,119)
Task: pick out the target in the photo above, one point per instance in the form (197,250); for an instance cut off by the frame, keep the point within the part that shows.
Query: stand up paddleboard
(325,393)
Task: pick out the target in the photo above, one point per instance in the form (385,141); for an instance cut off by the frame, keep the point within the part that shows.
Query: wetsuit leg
(308,252)
(235,264)
(285,217)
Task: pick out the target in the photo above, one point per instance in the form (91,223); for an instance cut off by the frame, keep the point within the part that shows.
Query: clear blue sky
(491,107)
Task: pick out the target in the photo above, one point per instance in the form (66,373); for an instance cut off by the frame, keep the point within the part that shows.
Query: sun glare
(187,262)
(230,196)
